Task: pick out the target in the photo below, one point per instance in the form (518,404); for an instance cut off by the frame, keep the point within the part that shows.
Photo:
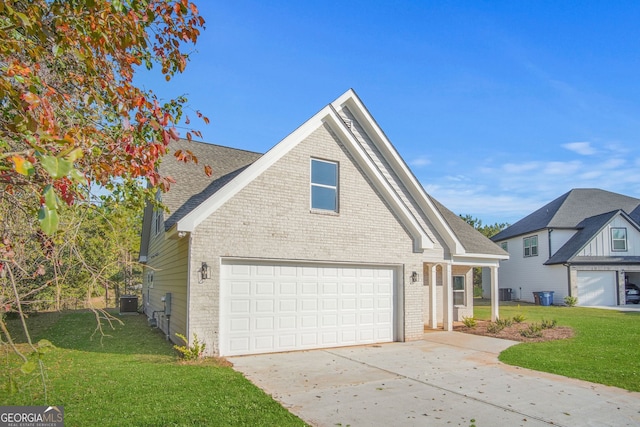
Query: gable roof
(587,230)
(193,197)
(474,242)
(570,209)
(192,186)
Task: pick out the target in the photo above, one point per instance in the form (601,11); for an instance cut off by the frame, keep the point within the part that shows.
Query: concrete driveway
(450,378)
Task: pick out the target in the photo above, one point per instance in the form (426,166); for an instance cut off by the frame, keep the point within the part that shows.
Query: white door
(280,307)
(597,288)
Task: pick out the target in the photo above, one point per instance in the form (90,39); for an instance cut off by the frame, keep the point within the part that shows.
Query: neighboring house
(585,243)
(326,240)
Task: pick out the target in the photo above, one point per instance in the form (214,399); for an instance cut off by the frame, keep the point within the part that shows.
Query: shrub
(192,352)
(549,324)
(533,331)
(494,327)
(505,323)
(469,322)
(519,318)
(571,301)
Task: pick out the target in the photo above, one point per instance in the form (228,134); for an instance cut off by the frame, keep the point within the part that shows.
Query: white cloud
(583,148)
(562,168)
(420,161)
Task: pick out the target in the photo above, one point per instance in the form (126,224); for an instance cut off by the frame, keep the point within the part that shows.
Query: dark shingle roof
(472,240)
(192,186)
(587,229)
(568,210)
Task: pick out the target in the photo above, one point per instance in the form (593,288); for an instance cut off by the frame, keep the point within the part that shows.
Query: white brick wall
(271,219)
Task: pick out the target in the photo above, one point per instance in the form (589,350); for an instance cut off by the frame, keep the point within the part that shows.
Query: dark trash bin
(546,298)
(536,297)
(505,294)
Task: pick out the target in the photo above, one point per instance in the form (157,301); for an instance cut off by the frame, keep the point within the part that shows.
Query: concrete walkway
(450,378)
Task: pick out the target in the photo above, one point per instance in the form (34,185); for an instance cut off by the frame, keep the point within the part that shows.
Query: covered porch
(448,291)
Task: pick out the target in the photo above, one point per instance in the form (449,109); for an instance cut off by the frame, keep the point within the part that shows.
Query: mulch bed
(513,332)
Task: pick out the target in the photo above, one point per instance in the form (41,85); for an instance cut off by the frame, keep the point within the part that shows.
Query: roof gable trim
(351,100)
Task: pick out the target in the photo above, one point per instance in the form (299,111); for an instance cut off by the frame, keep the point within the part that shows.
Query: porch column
(433,303)
(447,296)
(494,294)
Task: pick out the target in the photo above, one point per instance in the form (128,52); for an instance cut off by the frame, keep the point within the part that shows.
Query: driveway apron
(449,378)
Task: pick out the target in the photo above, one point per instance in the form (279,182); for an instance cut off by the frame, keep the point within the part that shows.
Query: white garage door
(279,307)
(597,288)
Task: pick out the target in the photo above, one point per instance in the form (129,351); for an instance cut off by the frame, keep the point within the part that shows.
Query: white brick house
(326,240)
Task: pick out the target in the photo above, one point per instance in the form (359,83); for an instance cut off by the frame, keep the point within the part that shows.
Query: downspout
(568,265)
(187,331)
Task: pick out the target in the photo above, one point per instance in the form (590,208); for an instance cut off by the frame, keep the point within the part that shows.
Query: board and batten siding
(167,261)
(525,275)
(600,245)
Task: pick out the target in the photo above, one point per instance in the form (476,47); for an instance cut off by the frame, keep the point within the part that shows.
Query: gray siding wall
(271,219)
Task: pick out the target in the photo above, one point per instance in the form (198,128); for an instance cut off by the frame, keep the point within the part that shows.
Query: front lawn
(605,349)
(132,377)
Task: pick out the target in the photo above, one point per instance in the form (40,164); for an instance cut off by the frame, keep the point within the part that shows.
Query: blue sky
(497,107)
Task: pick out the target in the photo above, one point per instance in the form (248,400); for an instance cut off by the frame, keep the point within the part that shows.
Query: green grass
(605,348)
(133,378)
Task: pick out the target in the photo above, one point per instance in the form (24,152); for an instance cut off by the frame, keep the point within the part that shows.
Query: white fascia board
(628,219)
(355,105)
(478,260)
(422,241)
(213,203)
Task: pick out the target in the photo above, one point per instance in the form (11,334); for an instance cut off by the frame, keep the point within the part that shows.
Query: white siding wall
(559,238)
(528,275)
(601,244)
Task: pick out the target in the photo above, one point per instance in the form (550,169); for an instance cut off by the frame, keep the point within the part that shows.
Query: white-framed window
(324,185)
(505,246)
(530,246)
(618,239)
(458,291)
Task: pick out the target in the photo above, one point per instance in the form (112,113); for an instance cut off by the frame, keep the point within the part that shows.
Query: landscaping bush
(505,323)
(519,318)
(469,322)
(187,352)
(494,327)
(548,324)
(571,301)
(533,331)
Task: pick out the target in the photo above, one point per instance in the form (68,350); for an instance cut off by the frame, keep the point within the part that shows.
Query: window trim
(158,217)
(335,188)
(527,243)
(626,246)
(462,291)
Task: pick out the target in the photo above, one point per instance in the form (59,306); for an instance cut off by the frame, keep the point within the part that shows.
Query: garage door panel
(597,288)
(268,308)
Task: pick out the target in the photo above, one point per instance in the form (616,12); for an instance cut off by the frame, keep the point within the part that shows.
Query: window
(504,246)
(619,239)
(157,218)
(458,290)
(531,246)
(324,185)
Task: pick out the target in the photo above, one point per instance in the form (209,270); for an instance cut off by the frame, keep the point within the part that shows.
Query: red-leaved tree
(71,117)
